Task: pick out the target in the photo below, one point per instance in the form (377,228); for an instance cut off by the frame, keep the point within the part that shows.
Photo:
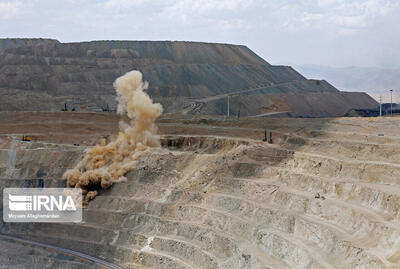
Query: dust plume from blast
(105,164)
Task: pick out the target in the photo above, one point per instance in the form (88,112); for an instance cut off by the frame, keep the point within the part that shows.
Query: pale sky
(327,32)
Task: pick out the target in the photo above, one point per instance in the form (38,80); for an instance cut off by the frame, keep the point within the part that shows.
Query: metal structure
(391,102)
(227,113)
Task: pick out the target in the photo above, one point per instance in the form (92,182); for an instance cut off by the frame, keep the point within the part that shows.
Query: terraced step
(293,250)
(367,228)
(389,153)
(242,203)
(224,222)
(32,183)
(353,136)
(180,248)
(47,162)
(96,249)
(201,144)
(200,235)
(18,261)
(320,165)
(126,219)
(259,190)
(131,265)
(62,230)
(252,209)
(348,160)
(21,253)
(384,198)
(197,214)
(155,259)
(227,223)
(249,210)
(131,189)
(174,246)
(211,238)
(120,254)
(380,197)
(337,245)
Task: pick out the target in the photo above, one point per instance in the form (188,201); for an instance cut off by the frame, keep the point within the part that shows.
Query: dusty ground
(324,194)
(87,128)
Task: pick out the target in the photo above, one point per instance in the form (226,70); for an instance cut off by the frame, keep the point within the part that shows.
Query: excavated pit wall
(315,198)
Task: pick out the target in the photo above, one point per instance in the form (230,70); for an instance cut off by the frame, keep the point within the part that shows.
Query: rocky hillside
(8,43)
(186,77)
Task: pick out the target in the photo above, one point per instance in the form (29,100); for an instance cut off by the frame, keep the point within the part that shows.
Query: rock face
(186,77)
(324,194)
(9,43)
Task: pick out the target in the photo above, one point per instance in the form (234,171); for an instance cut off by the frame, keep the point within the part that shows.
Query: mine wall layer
(46,75)
(322,193)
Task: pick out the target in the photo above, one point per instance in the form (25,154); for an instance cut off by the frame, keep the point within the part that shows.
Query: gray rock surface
(43,75)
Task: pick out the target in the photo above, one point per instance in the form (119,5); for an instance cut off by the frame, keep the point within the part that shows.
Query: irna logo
(42,205)
(40,202)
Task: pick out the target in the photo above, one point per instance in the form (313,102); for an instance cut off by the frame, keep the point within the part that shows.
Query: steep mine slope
(324,194)
(45,74)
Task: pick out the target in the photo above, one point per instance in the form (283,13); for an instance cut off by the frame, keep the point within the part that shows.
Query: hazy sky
(328,32)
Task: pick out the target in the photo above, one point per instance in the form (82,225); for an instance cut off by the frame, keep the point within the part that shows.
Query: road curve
(68,251)
(239,92)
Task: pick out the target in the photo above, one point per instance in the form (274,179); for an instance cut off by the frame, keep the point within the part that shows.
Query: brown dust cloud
(106,164)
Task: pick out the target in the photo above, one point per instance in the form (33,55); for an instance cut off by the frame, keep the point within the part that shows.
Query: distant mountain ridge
(374,80)
(44,74)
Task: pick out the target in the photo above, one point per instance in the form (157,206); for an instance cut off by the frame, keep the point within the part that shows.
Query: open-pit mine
(251,166)
(322,193)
